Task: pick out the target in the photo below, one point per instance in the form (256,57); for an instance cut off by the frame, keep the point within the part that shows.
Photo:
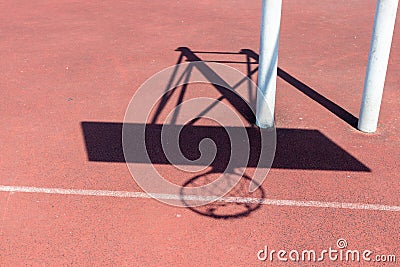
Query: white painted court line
(263,201)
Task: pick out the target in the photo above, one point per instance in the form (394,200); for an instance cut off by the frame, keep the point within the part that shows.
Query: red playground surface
(68,71)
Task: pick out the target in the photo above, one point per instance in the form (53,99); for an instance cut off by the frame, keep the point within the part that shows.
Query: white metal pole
(385,16)
(268,62)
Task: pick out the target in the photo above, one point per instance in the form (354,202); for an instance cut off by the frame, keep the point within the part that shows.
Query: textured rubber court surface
(68,71)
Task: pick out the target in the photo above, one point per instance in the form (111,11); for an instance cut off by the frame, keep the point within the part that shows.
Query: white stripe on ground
(263,201)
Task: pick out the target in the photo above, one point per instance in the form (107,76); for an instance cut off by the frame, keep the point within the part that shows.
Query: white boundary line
(263,201)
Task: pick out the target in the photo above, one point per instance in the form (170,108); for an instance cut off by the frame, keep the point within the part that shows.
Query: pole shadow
(311,93)
(300,86)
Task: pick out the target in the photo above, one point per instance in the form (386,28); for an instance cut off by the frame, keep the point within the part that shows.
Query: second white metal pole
(385,16)
(268,62)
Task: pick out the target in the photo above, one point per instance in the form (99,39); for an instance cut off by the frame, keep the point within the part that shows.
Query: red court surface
(66,65)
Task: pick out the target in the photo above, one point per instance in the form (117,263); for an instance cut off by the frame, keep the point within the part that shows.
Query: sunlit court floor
(68,72)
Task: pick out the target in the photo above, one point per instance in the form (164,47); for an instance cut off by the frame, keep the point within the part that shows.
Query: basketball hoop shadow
(296,148)
(239,202)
